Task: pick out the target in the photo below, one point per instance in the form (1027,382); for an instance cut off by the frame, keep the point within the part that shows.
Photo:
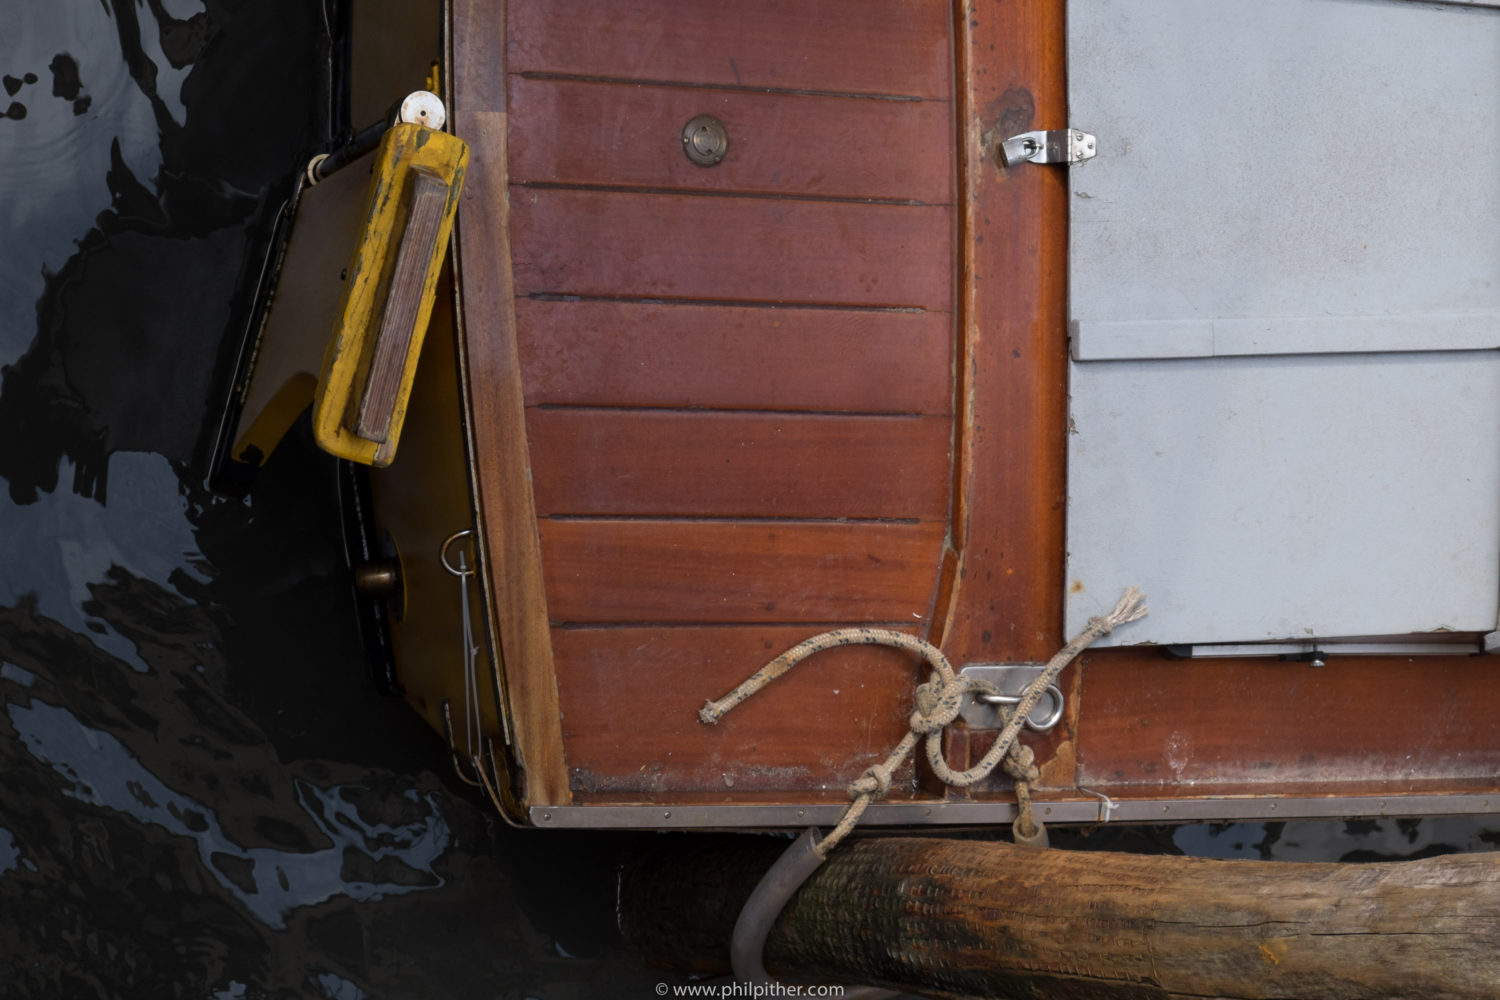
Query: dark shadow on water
(130,329)
(202,796)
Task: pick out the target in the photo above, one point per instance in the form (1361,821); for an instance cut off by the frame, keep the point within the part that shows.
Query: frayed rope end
(709,714)
(1132,607)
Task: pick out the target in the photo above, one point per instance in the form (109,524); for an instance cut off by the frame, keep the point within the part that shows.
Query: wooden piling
(962,918)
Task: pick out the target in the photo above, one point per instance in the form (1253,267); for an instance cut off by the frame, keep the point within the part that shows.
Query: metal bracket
(1064,145)
(1490,642)
(1010,680)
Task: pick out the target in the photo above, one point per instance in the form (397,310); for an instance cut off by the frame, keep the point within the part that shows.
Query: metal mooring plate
(982,711)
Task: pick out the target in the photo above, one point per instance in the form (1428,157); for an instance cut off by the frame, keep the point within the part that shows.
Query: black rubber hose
(358,145)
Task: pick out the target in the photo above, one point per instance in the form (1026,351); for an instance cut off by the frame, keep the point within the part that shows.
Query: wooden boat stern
(712,410)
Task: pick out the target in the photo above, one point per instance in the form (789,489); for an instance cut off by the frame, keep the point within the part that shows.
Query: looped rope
(937,704)
(876,781)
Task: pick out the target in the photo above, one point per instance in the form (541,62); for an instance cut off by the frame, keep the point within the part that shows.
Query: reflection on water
(53,160)
(10,854)
(71,542)
(372,859)
(1353,840)
(202,796)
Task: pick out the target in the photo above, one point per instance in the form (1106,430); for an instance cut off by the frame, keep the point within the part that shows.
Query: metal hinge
(1064,145)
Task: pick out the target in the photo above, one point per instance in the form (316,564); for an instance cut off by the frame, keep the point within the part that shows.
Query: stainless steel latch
(1064,145)
(1010,681)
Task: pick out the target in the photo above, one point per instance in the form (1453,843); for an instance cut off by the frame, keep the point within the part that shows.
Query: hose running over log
(961,918)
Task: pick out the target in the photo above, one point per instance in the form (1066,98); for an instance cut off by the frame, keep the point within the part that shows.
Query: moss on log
(967,918)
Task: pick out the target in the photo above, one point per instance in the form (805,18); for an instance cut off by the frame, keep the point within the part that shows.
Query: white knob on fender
(422,107)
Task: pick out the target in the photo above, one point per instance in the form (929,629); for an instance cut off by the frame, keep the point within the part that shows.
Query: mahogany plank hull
(852,149)
(891,48)
(634,691)
(715,410)
(637,245)
(646,354)
(696,464)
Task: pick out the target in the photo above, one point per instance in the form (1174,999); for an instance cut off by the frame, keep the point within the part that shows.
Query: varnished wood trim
(951,571)
(507,513)
(1000,592)
(490,634)
(1013,341)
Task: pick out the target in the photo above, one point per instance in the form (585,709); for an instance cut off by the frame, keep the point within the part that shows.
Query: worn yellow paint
(346,362)
(1273,951)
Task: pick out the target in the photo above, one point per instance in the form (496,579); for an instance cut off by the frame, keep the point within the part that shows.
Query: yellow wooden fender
(396,214)
(371,360)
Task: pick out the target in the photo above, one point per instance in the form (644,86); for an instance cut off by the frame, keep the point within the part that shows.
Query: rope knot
(1020,763)
(875,782)
(938,703)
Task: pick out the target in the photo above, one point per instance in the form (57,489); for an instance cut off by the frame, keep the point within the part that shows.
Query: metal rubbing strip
(1462,646)
(998,813)
(1141,340)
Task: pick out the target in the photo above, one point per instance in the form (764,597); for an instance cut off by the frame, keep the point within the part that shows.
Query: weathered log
(961,918)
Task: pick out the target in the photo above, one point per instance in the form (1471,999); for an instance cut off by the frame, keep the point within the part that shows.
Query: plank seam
(651,300)
(582,626)
(908,415)
(631,81)
(742,195)
(747,519)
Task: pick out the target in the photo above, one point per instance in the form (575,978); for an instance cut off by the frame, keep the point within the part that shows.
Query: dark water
(202,796)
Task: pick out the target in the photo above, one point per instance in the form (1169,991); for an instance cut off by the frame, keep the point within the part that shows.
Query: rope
(1020,764)
(937,704)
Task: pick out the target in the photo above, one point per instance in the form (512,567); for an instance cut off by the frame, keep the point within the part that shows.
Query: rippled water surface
(202,797)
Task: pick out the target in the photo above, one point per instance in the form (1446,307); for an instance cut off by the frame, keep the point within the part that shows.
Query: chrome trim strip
(1248,808)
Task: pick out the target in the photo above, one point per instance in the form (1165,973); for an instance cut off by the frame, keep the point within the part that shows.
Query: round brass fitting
(377,578)
(705,140)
